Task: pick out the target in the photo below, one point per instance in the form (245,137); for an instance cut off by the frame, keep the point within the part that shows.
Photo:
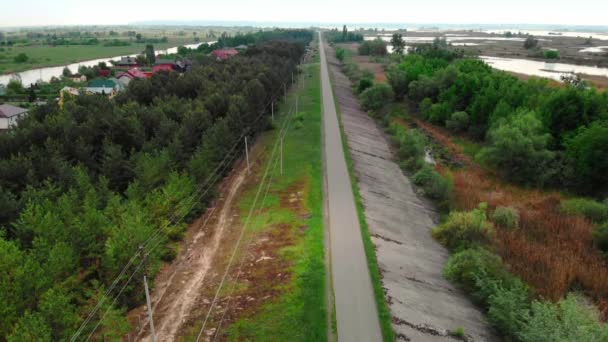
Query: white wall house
(10,115)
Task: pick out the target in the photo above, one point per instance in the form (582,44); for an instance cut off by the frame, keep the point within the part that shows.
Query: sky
(120,12)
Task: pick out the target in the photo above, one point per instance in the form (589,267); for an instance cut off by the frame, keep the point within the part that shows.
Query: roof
(8,111)
(70,90)
(127,61)
(162,67)
(164,61)
(101,83)
(224,53)
(133,73)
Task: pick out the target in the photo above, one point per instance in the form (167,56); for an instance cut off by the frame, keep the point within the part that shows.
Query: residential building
(10,115)
(102,86)
(128,62)
(78,78)
(223,54)
(124,78)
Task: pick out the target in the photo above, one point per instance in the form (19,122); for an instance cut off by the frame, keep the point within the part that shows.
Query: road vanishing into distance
(356,311)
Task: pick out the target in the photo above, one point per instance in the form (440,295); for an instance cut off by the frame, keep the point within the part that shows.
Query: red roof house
(104,72)
(223,54)
(162,67)
(134,73)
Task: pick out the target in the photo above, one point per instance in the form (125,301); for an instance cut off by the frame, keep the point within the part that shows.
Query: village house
(10,115)
(127,62)
(224,54)
(124,78)
(78,78)
(102,86)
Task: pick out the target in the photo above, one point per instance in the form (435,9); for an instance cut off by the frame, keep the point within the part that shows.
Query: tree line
(533,133)
(84,186)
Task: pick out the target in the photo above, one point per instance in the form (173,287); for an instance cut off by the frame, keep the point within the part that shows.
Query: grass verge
(299,312)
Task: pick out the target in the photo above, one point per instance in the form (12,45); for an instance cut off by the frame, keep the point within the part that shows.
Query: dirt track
(425,306)
(178,286)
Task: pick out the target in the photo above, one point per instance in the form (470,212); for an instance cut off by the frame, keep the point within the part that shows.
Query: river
(45,74)
(542,69)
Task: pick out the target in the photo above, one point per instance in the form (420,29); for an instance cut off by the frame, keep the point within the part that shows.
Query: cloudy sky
(86,12)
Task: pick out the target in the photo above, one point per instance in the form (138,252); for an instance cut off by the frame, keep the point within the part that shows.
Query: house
(104,72)
(124,78)
(10,115)
(128,62)
(78,78)
(223,54)
(164,65)
(67,93)
(2,90)
(102,86)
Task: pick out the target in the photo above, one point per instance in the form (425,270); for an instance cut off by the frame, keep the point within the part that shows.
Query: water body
(542,69)
(595,49)
(544,33)
(45,74)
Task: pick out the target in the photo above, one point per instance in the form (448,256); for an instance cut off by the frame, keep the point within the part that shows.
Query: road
(356,311)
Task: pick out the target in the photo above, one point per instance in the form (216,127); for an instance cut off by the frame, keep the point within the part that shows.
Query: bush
(464,230)
(412,144)
(340,54)
(21,58)
(459,121)
(509,306)
(506,217)
(466,267)
(571,319)
(592,210)
(600,237)
(398,80)
(376,97)
(552,54)
(438,187)
(376,47)
(423,176)
(364,84)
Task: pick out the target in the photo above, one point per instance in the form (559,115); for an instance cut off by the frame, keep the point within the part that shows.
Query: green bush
(376,96)
(552,54)
(459,121)
(413,164)
(376,47)
(340,54)
(509,306)
(21,58)
(600,237)
(438,187)
(571,319)
(464,229)
(466,267)
(412,144)
(423,176)
(398,80)
(593,210)
(364,83)
(506,217)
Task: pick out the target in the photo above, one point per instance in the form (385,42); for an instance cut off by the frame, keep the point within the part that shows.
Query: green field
(45,55)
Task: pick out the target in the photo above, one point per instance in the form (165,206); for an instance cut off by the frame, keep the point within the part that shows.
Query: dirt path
(425,306)
(179,285)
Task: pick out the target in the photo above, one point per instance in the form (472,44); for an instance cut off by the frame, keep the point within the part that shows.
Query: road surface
(356,311)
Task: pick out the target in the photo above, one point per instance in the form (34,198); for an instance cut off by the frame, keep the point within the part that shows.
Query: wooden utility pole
(247,154)
(150,318)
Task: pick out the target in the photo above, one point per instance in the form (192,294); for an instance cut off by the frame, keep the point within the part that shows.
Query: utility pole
(281,155)
(247,154)
(151,319)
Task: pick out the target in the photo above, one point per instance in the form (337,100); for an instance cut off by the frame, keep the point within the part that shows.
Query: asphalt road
(356,312)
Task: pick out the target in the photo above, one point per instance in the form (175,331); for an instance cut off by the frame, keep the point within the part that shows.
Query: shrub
(340,54)
(438,187)
(412,144)
(425,108)
(21,58)
(364,84)
(568,320)
(459,121)
(423,176)
(552,54)
(398,80)
(509,306)
(600,237)
(506,217)
(464,229)
(593,210)
(466,267)
(376,96)
(376,47)
(413,164)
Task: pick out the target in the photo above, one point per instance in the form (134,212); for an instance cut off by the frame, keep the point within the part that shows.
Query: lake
(542,69)
(45,74)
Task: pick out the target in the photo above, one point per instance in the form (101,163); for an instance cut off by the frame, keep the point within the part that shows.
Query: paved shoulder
(356,312)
